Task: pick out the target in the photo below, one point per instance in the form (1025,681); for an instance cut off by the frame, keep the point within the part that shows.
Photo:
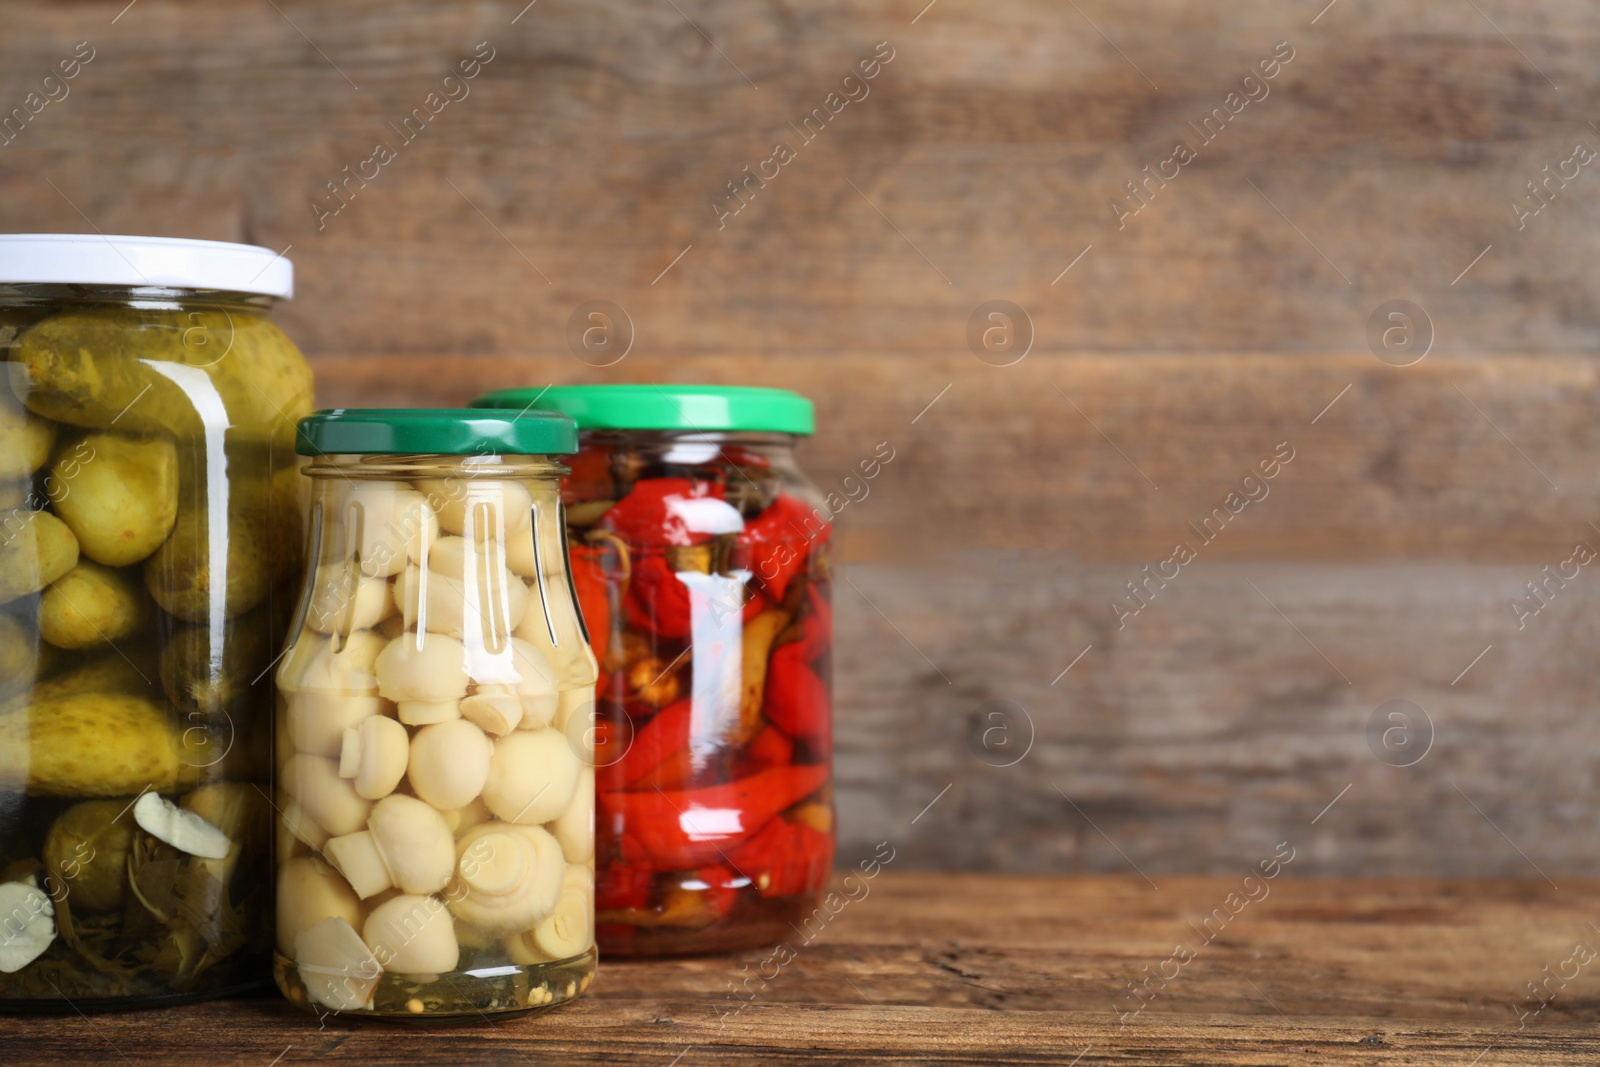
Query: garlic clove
(375,756)
(337,967)
(310,891)
(183,830)
(532,776)
(356,857)
(29,927)
(413,935)
(449,763)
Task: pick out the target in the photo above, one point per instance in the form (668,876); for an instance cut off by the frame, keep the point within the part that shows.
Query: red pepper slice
(590,478)
(687,828)
(666,734)
(646,517)
(657,602)
(786,859)
(797,700)
(777,540)
(771,748)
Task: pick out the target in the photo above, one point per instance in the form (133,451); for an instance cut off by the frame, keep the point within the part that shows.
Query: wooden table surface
(948,969)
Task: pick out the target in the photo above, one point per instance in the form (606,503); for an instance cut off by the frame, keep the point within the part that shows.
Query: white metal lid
(166,262)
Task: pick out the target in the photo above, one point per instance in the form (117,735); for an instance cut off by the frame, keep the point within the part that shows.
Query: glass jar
(703,561)
(435,789)
(149,555)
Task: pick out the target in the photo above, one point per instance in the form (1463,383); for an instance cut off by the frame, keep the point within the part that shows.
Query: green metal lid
(666,407)
(434,431)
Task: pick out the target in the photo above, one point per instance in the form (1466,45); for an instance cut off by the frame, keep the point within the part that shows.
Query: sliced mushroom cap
(508,877)
(496,709)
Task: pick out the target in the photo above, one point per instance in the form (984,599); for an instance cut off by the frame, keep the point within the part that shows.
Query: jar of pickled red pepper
(702,557)
(435,788)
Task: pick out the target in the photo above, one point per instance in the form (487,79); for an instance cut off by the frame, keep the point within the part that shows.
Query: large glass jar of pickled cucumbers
(149,555)
(435,786)
(703,561)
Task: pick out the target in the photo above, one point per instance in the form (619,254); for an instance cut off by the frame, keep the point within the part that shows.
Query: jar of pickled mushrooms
(703,561)
(435,788)
(150,548)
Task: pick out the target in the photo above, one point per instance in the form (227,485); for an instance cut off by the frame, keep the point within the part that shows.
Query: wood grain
(987,969)
(1223,318)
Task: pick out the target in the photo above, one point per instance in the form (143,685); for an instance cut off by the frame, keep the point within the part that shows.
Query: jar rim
(144,262)
(434,431)
(661,406)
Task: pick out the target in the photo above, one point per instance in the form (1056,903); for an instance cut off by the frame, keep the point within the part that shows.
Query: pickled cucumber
(118,494)
(25,440)
(198,678)
(92,745)
(125,368)
(87,852)
(180,574)
(36,548)
(90,605)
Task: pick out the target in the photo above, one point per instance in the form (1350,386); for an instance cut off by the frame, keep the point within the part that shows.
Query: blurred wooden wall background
(1179,349)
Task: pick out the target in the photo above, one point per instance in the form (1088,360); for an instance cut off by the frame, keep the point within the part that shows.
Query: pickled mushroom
(413,934)
(532,776)
(449,763)
(310,891)
(507,877)
(338,969)
(120,495)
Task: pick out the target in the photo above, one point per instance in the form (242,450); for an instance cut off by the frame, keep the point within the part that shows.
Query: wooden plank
(960,969)
(590,150)
(1110,458)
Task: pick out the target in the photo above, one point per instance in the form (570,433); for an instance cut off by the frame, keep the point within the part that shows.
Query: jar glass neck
(435,466)
(23,294)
